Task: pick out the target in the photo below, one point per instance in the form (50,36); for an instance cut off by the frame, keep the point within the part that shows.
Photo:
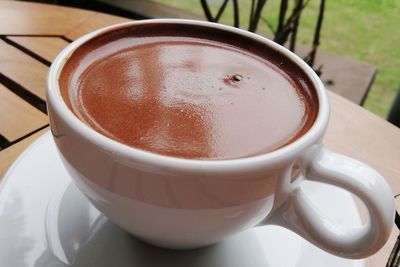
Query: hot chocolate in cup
(185,132)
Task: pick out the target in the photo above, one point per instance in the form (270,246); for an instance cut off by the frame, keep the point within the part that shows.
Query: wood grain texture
(39,19)
(10,154)
(23,69)
(17,117)
(94,22)
(46,47)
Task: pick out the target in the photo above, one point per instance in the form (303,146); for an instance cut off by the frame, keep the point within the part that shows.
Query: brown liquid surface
(187,97)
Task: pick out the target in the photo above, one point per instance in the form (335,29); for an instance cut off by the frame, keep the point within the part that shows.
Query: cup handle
(299,215)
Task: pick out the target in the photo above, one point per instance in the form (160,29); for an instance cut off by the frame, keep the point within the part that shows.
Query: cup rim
(262,161)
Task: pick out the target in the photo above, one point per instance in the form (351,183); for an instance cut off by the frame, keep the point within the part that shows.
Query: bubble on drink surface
(233,80)
(237,78)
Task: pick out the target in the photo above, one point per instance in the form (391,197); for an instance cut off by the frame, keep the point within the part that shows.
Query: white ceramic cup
(185,203)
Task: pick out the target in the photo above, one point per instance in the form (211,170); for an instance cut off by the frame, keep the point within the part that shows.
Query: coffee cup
(183,203)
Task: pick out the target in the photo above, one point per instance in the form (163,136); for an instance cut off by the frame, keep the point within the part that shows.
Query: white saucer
(45,221)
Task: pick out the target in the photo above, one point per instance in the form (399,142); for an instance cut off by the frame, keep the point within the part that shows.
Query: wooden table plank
(344,76)
(10,154)
(46,47)
(351,79)
(39,19)
(94,22)
(23,69)
(151,9)
(362,135)
(17,117)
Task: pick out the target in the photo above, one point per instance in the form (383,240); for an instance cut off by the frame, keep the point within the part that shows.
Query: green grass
(365,30)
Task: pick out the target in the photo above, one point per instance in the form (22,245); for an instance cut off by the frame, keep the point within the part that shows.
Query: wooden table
(32,34)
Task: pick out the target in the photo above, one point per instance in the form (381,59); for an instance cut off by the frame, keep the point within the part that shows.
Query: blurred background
(353,45)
